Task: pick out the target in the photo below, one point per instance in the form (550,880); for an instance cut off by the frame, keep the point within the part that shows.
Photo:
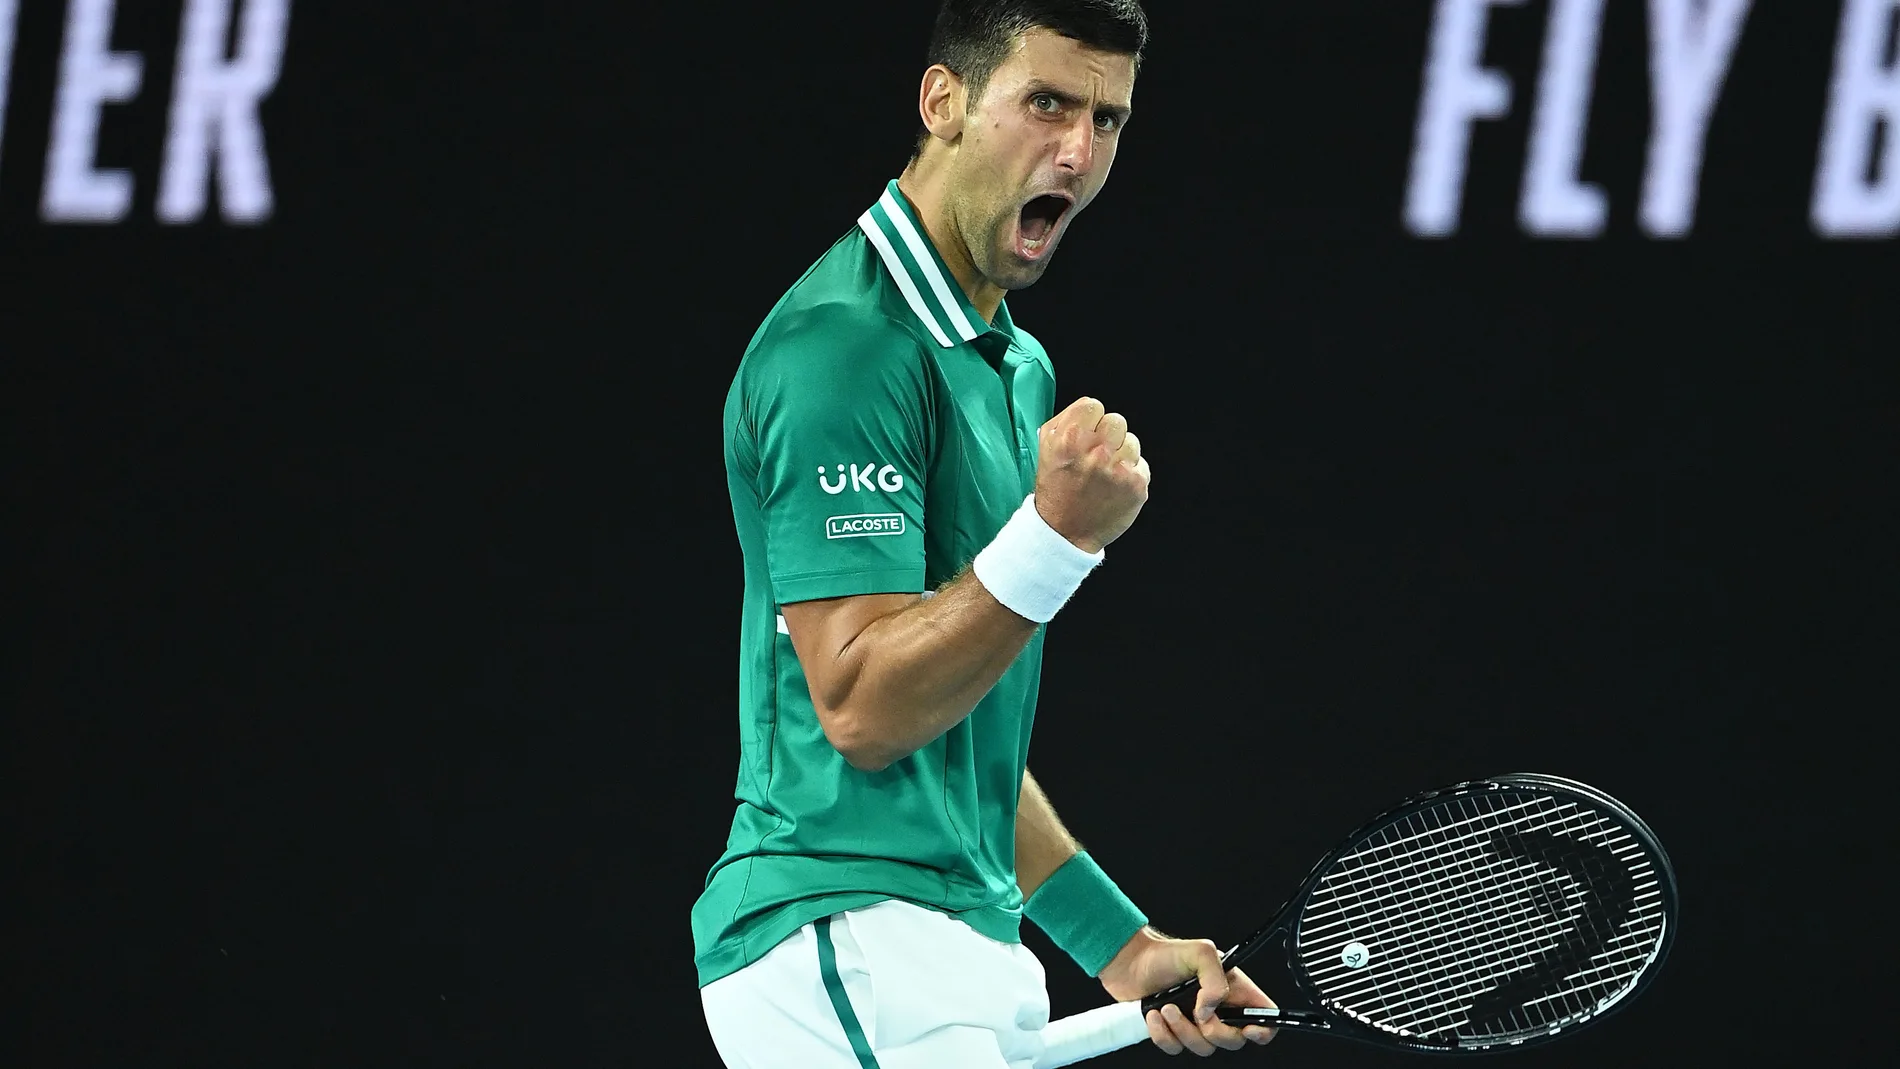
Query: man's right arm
(889,673)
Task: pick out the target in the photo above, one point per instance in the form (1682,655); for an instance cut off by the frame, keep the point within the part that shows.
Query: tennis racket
(1482,916)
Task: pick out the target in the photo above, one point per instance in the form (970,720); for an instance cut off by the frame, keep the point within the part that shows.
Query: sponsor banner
(212,164)
(1534,68)
(1693,46)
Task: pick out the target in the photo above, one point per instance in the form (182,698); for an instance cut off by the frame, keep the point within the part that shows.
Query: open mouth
(1038,223)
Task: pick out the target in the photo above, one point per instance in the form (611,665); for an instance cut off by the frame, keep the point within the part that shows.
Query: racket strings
(1425,939)
(1478,897)
(1591,987)
(1443,849)
(1475,902)
(1419,943)
(1517,956)
(1447,966)
(1512,951)
(1611,886)
(1527,875)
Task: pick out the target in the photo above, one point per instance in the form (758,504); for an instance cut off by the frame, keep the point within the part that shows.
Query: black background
(371,694)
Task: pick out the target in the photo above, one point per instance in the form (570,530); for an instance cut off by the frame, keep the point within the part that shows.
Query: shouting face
(1035,150)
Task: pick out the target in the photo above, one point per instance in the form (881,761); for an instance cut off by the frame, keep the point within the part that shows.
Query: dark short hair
(973,37)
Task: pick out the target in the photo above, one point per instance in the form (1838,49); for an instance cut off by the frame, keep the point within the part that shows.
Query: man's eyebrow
(1070,100)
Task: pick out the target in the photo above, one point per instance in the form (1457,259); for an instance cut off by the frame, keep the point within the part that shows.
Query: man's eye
(1043,102)
(1106,123)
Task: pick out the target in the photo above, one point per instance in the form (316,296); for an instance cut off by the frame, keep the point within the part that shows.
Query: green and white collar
(927,285)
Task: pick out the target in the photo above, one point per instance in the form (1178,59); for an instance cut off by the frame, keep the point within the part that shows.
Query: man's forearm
(912,675)
(1042,843)
(1082,911)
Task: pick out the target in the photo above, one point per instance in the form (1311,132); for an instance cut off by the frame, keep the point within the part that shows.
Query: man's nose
(1076,152)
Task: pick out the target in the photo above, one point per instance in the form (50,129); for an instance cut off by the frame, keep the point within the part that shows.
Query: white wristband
(1030,568)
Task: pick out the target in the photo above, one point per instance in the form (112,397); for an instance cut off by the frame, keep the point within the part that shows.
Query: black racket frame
(1283,929)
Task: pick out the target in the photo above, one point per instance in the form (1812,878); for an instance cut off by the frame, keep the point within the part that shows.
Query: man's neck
(923,185)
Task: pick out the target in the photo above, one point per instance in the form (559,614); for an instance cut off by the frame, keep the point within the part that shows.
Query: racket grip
(1092,1033)
(1184,995)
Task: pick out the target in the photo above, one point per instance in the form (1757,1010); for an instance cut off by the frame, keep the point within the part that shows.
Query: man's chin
(1017,273)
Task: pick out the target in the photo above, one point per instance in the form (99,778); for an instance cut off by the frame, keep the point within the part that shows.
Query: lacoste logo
(862,478)
(868,525)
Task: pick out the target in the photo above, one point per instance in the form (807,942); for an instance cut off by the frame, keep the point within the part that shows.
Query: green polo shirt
(878,434)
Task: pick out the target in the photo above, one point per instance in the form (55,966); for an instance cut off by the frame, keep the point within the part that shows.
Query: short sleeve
(839,408)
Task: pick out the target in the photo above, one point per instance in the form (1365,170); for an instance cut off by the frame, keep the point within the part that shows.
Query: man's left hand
(1152,962)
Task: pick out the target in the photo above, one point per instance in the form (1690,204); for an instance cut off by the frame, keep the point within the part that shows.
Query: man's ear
(941,103)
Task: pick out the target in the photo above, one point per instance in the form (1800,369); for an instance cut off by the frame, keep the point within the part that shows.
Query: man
(910,515)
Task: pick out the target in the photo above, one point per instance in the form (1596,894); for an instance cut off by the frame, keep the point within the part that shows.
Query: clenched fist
(1091,479)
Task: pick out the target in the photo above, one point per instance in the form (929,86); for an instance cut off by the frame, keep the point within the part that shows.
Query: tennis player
(911,510)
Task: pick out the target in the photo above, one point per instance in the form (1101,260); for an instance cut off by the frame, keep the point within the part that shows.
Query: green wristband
(1084,913)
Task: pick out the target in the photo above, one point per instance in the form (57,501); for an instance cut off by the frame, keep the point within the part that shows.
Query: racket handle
(1185,994)
(1271,1017)
(1092,1033)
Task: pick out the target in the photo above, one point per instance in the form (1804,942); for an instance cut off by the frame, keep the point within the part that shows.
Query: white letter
(90,77)
(1458,92)
(1848,202)
(1555,203)
(214,102)
(1689,57)
(8,8)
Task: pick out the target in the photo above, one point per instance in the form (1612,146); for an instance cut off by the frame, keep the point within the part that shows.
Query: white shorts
(892,986)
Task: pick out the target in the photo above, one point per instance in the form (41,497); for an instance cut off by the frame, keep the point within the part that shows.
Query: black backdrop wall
(371,695)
